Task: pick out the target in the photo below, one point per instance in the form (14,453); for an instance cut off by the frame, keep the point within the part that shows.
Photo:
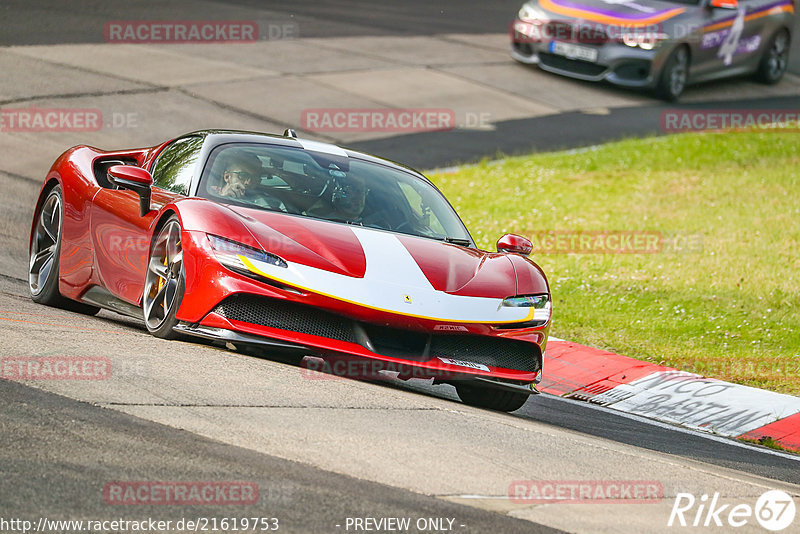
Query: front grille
(491,351)
(275,313)
(634,70)
(398,343)
(523,48)
(577,66)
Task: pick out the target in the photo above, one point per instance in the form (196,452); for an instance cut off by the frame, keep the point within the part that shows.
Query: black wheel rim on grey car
(45,243)
(778,55)
(164,272)
(677,75)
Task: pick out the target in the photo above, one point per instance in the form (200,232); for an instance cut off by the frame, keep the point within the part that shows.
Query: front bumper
(615,62)
(227,306)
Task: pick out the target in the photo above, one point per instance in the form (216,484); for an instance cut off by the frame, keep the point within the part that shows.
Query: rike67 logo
(774,510)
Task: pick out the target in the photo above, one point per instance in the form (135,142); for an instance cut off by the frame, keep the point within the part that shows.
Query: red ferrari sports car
(290,244)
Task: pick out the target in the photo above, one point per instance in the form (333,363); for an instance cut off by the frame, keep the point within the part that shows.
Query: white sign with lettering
(701,403)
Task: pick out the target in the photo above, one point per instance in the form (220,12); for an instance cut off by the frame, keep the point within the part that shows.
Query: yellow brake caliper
(161,281)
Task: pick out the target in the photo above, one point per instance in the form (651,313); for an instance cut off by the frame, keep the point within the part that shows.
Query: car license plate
(572,51)
(462,363)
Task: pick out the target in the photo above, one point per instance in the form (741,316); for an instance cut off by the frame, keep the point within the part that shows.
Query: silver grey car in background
(663,45)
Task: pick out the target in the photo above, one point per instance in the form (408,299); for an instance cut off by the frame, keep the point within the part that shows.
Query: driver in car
(242,176)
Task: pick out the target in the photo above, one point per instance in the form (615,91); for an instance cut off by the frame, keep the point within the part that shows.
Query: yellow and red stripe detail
(247,263)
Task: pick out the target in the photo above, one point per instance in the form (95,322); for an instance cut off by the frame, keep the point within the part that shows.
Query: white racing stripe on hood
(388,261)
(392,282)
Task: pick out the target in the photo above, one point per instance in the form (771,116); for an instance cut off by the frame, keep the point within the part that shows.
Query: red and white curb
(666,394)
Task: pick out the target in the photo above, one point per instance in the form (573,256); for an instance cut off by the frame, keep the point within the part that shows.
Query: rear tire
(45,252)
(775,59)
(674,75)
(493,399)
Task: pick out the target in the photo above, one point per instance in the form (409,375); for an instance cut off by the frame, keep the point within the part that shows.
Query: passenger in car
(345,202)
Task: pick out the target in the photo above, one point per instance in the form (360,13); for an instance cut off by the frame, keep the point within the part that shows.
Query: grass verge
(769,443)
(721,297)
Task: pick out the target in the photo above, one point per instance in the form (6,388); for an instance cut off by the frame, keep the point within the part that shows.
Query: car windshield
(330,187)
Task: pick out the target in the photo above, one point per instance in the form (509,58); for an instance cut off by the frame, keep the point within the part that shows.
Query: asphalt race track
(320,449)
(79,450)
(194,412)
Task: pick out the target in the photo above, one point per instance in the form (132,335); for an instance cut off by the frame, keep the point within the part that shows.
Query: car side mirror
(725,4)
(514,244)
(137,180)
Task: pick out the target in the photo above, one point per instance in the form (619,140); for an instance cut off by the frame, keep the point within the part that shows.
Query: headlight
(540,304)
(650,40)
(531,12)
(229,254)
(644,40)
(630,39)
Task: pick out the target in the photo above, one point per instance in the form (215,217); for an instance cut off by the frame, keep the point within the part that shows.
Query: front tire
(674,75)
(45,253)
(493,399)
(165,281)
(775,60)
